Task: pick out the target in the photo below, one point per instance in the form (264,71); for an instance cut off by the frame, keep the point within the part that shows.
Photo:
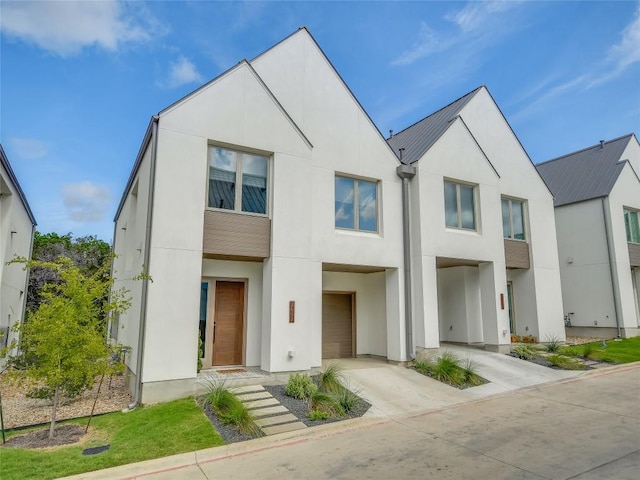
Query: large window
(459,206)
(513,219)
(229,168)
(632,225)
(356,206)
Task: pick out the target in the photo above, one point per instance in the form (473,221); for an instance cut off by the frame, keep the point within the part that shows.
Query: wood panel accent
(516,254)
(228,323)
(634,254)
(235,236)
(337,325)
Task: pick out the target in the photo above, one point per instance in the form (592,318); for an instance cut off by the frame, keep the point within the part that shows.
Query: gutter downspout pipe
(614,283)
(407,172)
(137,394)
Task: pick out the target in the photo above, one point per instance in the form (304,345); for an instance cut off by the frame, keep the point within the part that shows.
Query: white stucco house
(269,212)
(597,210)
(17,225)
(481,223)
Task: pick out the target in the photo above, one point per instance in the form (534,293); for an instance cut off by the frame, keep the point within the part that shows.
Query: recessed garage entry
(338,325)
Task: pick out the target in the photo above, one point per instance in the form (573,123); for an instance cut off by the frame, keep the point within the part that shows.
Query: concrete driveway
(582,428)
(396,390)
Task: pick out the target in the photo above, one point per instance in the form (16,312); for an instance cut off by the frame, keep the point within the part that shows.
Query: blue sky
(79,81)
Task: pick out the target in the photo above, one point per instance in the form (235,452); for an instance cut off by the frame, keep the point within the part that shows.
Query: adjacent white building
(483,257)
(267,209)
(17,225)
(597,210)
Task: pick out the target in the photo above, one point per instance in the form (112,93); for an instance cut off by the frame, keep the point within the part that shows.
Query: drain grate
(95,450)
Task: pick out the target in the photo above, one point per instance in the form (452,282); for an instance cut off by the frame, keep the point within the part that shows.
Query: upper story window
(229,168)
(632,225)
(459,206)
(513,219)
(356,206)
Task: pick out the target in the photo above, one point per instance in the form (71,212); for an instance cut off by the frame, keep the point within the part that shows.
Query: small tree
(63,342)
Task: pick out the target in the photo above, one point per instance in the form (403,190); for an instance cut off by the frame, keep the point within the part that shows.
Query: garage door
(337,325)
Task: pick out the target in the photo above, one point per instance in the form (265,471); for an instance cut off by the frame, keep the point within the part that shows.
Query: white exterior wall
(456,156)
(625,193)
(237,110)
(129,246)
(16,238)
(497,140)
(584,265)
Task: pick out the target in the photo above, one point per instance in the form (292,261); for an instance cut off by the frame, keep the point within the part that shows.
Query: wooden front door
(228,320)
(337,325)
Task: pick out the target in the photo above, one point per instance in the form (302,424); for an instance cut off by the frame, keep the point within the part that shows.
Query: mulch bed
(63,435)
(299,408)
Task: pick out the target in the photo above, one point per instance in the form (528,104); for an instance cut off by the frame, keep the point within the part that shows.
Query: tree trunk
(53,411)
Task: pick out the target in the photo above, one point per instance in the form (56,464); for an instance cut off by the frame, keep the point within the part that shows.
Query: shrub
(423,367)
(318,415)
(515,339)
(300,386)
(529,339)
(330,379)
(553,344)
(347,399)
(565,363)
(522,351)
(230,409)
(447,369)
(325,402)
(469,373)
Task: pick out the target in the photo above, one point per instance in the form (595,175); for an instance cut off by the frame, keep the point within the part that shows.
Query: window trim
(629,236)
(240,152)
(474,189)
(356,204)
(524,221)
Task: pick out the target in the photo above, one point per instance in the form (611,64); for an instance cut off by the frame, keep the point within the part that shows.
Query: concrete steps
(270,415)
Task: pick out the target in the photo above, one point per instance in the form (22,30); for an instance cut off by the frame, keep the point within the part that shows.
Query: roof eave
(12,176)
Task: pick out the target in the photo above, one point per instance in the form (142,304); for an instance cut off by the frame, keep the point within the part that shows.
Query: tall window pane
(254,183)
(506,219)
(367,206)
(467,211)
(345,191)
(222,178)
(517,219)
(450,205)
(632,224)
(204,293)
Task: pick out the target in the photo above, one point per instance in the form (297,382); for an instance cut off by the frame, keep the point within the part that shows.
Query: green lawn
(143,434)
(624,351)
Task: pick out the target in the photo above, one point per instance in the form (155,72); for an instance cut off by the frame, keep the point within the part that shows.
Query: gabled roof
(420,137)
(585,174)
(5,164)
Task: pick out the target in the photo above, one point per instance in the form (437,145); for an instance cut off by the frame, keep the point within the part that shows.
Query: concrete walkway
(581,428)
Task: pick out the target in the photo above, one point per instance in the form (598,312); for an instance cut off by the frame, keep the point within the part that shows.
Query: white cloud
(473,21)
(86,201)
(426,44)
(619,58)
(182,72)
(29,148)
(66,27)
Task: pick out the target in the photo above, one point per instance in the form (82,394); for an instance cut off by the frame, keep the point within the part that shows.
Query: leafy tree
(63,342)
(88,253)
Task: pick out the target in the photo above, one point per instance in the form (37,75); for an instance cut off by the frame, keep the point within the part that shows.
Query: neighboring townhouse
(17,225)
(266,208)
(597,210)
(484,259)
(268,211)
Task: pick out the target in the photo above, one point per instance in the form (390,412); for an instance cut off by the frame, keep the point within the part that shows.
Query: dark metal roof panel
(420,137)
(585,174)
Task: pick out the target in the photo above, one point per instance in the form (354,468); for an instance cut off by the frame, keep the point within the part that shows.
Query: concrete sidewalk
(585,427)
